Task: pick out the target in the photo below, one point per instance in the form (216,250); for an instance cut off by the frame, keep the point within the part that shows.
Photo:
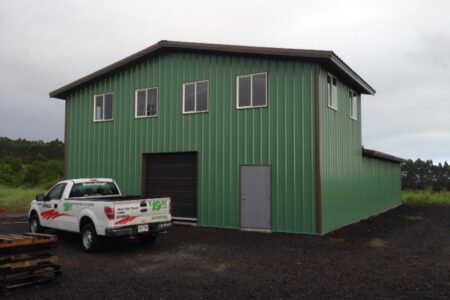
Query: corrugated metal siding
(225,138)
(352,187)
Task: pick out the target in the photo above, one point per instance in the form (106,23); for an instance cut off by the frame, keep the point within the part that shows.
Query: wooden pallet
(26,239)
(27,259)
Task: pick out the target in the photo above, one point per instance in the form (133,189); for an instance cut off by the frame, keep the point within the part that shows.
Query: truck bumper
(133,229)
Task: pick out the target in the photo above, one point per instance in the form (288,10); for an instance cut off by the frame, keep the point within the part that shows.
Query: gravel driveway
(403,254)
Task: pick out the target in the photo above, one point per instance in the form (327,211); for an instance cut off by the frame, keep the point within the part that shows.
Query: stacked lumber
(26,259)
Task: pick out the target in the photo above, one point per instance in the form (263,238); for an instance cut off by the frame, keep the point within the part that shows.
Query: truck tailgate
(142,211)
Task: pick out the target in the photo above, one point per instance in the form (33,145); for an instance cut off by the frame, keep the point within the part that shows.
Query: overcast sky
(401,48)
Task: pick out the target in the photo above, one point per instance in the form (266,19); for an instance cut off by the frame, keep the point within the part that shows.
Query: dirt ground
(402,254)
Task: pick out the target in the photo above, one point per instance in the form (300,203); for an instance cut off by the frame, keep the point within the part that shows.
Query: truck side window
(56,192)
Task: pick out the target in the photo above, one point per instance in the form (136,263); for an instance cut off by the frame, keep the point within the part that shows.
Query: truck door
(69,210)
(50,211)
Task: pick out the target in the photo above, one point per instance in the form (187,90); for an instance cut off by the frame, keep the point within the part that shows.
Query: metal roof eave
(349,72)
(321,56)
(381,155)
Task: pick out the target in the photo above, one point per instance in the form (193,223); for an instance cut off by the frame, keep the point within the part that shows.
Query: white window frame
(251,91)
(112,113)
(146,102)
(195,111)
(353,96)
(330,93)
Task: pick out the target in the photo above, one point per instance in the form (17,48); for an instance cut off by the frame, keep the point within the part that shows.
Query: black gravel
(402,254)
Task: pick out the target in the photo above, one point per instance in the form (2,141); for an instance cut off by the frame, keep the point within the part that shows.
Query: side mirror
(40,197)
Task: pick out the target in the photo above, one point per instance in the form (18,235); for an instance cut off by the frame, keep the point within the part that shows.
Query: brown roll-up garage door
(173,175)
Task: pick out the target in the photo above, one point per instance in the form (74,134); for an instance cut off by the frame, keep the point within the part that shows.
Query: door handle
(55,206)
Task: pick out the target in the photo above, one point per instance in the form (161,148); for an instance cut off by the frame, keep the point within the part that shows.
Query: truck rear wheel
(89,238)
(35,225)
(148,239)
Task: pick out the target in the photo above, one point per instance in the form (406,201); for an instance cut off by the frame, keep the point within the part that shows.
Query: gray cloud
(433,50)
(399,47)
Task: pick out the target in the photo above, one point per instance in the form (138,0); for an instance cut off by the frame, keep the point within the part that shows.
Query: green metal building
(238,136)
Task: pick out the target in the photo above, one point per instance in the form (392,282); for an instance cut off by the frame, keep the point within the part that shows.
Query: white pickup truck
(95,207)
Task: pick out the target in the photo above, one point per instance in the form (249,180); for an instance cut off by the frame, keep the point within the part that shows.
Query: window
(103,107)
(98,188)
(332,92)
(251,90)
(147,103)
(56,192)
(196,96)
(353,105)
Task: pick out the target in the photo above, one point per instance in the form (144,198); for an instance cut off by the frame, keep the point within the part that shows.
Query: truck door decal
(52,214)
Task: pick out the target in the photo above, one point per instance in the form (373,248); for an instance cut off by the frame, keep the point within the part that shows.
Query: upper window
(103,107)
(196,96)
(147,103)
(251,90)
(353,105)
(332,92)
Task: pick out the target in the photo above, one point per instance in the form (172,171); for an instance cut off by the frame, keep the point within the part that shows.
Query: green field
(17,199)
(426,197)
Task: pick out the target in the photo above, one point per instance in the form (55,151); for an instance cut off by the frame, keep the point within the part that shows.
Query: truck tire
(89,238)
(147,239)
(34,224)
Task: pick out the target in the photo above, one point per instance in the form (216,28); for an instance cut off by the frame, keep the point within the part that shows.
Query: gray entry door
(256,197)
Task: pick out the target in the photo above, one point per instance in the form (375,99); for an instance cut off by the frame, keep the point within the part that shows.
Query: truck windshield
(97,188)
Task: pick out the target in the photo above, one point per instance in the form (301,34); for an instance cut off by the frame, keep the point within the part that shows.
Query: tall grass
(426,197)
(17,199)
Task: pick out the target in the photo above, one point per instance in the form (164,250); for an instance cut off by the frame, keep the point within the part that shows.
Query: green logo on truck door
(157,205)
(68,206)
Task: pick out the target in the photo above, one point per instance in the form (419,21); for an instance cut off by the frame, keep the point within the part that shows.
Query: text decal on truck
(157,205)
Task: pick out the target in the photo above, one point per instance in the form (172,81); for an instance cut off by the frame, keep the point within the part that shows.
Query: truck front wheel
(89,238)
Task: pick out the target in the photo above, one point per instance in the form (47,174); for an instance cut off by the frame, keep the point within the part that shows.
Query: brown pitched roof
(381,155)
(327,58)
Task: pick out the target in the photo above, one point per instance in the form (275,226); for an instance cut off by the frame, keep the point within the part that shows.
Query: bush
(41,173)
(11,171)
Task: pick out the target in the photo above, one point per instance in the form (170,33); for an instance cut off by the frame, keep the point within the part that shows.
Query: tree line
(31,151)
(30,163)
(420,175)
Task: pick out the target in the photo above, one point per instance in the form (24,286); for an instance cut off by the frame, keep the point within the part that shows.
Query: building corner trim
(317,150)
(65,139)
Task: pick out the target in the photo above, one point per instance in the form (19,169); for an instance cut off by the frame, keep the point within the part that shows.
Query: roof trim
(328,58)
(381,155)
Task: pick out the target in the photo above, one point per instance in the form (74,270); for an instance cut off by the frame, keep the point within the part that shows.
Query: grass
(17,199)
(426,197)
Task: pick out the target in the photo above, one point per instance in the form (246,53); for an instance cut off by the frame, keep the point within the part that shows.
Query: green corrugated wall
(353,187)
(225,138)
